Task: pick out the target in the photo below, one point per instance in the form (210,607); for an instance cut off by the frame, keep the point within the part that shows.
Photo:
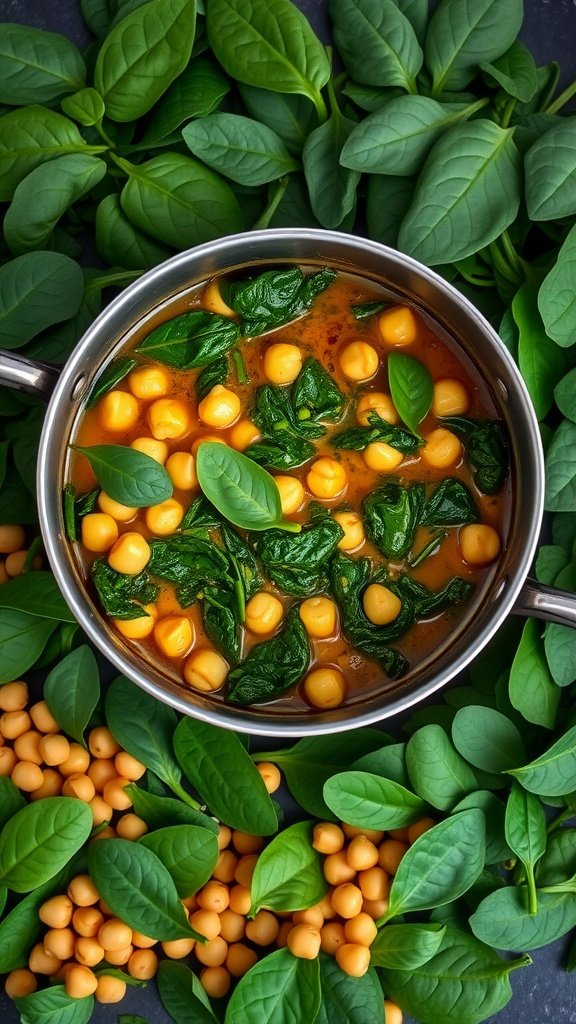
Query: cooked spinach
(200,515)
(122,596)
(214,373)
(113,374)
(391,515)
(275,410)
(358,438)
(273,666)
(450,504)
(430,602)
(244,563)
(274,297)
(364,310)
(221,620)
(190,563)
(282,450)
(315,395)
(486,449)
(298,564)
(77,507)
(191,339)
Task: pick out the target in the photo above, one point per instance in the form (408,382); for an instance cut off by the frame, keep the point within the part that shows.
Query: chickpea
(165,518)
(41,962)
(263,929)
(243,434)
(82,891)
(127,766)
(353,527)
(327,838)
(220,407)
(174,635)
(374,835)
(378,402)
(121,513)
(282,363)
(319,616)
(4,577)
(332,937)
(374,884)
(87,921)
(375,908)
(15,563)
(312,915)
(80,982)
(205,670)
(325,687)
(79,786)
(77,761)
(101,742)
(390,855)
(214,896)
(43,718)
(245,870)
(110,989)
(215,981)
(54,749)
(245,842)
(151,446)
(130,553)
(137,629)
(353,959)
(27,776)
(419,828)
(264,613)
(114,935)
(232,925)
(362,854)
(99,532)
(177,949)
(206,923)
(51,785)
(450,398)
(115,794)
(181,468)
(142,941)
(105,833)
(14,724)
(60,942)
(148,381)
(392,1013)
(304,941)
(326,478)
(13,696)
(291,493)
(143,964)
(479,544)
(326,907)
(27,746)
(12,538)
(212,953)
(282,937)
(224,836)
(239,959)
(337,869)
(20,983)
(380,604)
(347,900)
(131,827)
(359,361)
(7,761)
(169,418)
(361,930)
(88,951)
(382,457)
(225,870)
(271,775)
(441,449)
(240,899)
(398,326)
(118,411)
(56,912)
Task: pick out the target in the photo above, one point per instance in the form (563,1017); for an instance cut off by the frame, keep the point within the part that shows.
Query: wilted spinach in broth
(290,490)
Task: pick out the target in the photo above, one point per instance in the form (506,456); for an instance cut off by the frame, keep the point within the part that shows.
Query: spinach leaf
(288,874)
(486,450)
(197,92)
(541,361)
(450,504)
(189,853)
(127,475)
(22,639)
(220,769)
(281,987)
(557,298)
(122,596)
(164,811)
(388,762)
(86,106)
(215,372)
(487,739)
(551,774)
(182,994)
(275,297)
(412,389)
(358,438)
(221,620)
(559,645)
(388,200)
(514,71)
(497,849)
(365,310)
(244,150)
(53,1005)
(369,801)
(315,395)
(37,66)
(551,174)
(245,565)
(391,515)
(190,563)
(503,920)
(525,827)
(289,114)
(564,395)
(559,860)
(273,666)
(200,515)
(120,242)
(275,410)
(40,839)
(347,1000)
(375,39)
(560,486)
(191,339)
(331,187)
(116,371)
(36,291)
(243,492)
(281,450)
(36,594)
(298,564)
(72,691)
(461,36)
(144,728)
(436,770)
(404,947)
(11,801)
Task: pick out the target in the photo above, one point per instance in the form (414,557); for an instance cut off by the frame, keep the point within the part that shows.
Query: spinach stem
(179,790)
(33,550)
(240,367)
(532,894)
(508,111)
(104,135)
(430,548)
(563,98)
(321,109)
(120,278)
(565,815)
(275,198)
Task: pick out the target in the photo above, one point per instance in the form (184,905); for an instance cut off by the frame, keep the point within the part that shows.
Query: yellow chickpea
(205,670)
(337,869)
(214,896)
(450,398)
(375,908)
(212,300)
(7,761)
(99,532)
(201,440)
(4,576)
(328,838)
(101,811)
(312,915)
(41,962)
(382,457)
(14,564)
(114,935)
(13,696)
(82,891)
(220,407)
(441,449)
(14,724)
(137,629)
(129,554)
(27,746)
(332,937)
(151,446)
(121,513)
(43,718)
(215,981)
(264,613)
(282,363)
(109,989)
(360,929)
(56,912)
(374,883)
(245,870)
(390,854)
(319,616)
(239,959)
(101,742)
(419,828)
(20,983)
(118,411)
(243,434)
(131,827)
(129,767)
(224,836)
(51,784)
(80,982)
(177,949)
(165,518)
(353,527)
(270,774)
(325,687)
(88,951)
(291,493)
(359,361)
(304,941)
(87,922)
(245,842)
(60,942)
(326,478)
(225,867)
(206,923)
(232,925)
(12,538)
(181,468)
(80,787)
(347,900)
(148,381)
(169,418)
(379,402)
(353,959)
(380,604)
(27,776)
(362,854)
(115,794)
(263,929)
(77,761)
(143,964)
(142,941)
(398,326)
(54,749)
(479,544)
(240,899)
(392,1012)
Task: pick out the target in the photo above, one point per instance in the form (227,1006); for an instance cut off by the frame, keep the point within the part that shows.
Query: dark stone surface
(543,993)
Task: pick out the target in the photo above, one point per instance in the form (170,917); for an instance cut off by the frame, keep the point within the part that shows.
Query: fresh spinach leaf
(242,491)
(404,947)
(331,186)
(347,1000)
(525,827)
(36,291)
(40,839)
(514,71)
(191,339)
(557,300)
(280,987)
(120,242)
(23,637)
(288,873)
(127,475)
(197,92)
(54,1006)
(189,853)
(487,739)
(37,66)
(163,811)
(551,174)
(238,147)
(497,849)
(503,920)
(122,596)
(370,801)
(436,770)
(11,801)
(182,994)
(389,762)
(144,728)
(551,774)
(72,691)
(375,39)
(412,389)
(36,594)
(461,36)
(541,361)
(272,666)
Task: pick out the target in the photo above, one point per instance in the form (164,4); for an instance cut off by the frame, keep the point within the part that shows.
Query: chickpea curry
(293,490)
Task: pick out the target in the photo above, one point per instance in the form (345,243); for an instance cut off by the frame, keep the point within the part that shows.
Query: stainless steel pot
(509,590)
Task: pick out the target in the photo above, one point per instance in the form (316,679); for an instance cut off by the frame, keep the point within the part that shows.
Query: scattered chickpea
(80,982)
(20,982)
(270,774)
(282,363)
(12,538)
(304,941)
(398,326)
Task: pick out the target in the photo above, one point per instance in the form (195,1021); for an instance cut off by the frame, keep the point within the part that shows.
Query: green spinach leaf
(288,873)
(272,666)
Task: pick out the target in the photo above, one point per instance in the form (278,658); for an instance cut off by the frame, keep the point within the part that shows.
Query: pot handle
(28,375)
(542,602)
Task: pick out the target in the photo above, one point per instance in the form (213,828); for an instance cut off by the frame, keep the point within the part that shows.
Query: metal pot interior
(147,299)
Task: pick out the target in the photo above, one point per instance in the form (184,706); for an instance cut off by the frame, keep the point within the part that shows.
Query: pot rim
(73,381)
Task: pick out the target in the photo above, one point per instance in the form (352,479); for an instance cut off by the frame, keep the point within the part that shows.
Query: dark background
(543,993)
